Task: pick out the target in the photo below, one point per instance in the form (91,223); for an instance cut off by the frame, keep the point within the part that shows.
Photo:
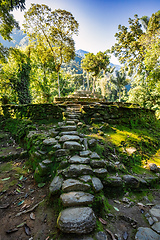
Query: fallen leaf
(102,221)
(5,179)
(21,225)
(116,209)
(20,203)
(21,177)
(32,216)
(12,230)
(27,229)
(40,185)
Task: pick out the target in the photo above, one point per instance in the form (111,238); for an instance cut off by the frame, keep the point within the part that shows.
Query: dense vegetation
(47,66)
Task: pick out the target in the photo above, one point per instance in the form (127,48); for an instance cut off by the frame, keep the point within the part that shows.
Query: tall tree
(119,80)
(95,64)
(55,29)
(15,74)
(7,21)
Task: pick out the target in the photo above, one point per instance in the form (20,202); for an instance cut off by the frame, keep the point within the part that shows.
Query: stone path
(82,174)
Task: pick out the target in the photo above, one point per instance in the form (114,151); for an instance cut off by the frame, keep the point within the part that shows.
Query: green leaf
(5,179)
(21,177)
(40,185)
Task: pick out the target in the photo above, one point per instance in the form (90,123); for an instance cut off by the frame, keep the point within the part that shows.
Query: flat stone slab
(61,152)
(65,138)
(72,199)
(55,185)
(69,122)
(78,159)
(80,220)
(155,211)
(72,145)
(146,234)
(156,227)
(100,172)
(69,133)
(76,170)
(68,128)
(97,163)
(113,181)
(131,181)
(85,153)
(97,184)
(94,155)
(74,185)
(86,178)
(50,141)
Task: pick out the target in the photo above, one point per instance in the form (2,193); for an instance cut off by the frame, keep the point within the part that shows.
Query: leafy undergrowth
(137,145)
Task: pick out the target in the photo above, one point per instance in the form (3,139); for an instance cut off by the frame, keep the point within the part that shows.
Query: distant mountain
(81,53)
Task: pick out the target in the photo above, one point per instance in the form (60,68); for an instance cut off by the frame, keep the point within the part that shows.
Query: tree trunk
(87,81)
(94,80)
(59,93)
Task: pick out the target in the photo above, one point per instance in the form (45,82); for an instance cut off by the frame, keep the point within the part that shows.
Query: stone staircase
(81,176)
(75,181)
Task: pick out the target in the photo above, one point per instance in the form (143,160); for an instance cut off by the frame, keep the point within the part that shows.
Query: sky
(98,19)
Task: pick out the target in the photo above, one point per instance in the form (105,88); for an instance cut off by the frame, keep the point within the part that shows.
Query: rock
(101,236)
(97,184)
(46,162)
(72,145)
(62,152)
(69,133)
(97,163)
(68,128)
(150,180)
(92,142)
(50,141)
(78,159)
(43,169)
(56,185)
(76,170)
(150,221)
(146,234)
(53,133)
(80,220)
(76,199)
(86,178)
(153,167)
(74,185)
(65,138)
(57,146)
(69,122)
(113,181)
(101,172)
(155,211)
(85,143)
(131,181)
(94,155)
(85,153)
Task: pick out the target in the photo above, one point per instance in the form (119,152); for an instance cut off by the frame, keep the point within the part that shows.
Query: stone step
(69,133)
(77,159)
(79,220)
(74,185)
(73,199)
(70,122)
(56,185)
(65,138)
(76,170)
(85,153)
(72,145)
(68,128)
